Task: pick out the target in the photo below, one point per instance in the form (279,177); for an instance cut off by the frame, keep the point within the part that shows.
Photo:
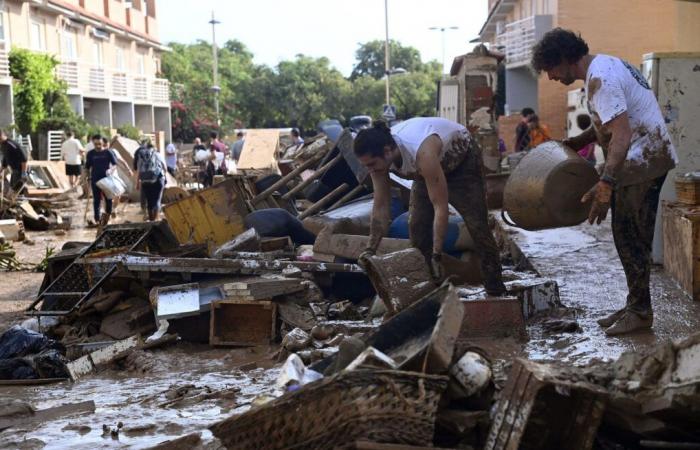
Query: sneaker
(629,322)
(91,224)
(608,321)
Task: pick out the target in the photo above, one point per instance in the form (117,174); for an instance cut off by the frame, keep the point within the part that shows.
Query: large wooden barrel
(545,188)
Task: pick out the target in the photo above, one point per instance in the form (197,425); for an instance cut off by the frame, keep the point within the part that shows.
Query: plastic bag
(112,186)
(18,341)
(294,373)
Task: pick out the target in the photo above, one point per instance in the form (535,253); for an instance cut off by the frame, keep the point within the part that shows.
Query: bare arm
(621,132)
(580,141)
(381,215)
(428,163)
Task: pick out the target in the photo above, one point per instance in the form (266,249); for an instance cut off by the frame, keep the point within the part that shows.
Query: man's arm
(381,215)
(620,141)
(580,141)
(428,162)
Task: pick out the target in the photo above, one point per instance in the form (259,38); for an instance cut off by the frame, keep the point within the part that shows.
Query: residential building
(109,56)
(623,28)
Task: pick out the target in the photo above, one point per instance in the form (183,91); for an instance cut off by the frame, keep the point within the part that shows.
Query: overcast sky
(275,30)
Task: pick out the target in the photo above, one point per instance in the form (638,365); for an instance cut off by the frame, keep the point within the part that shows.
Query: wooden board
(242,323)
(260,151)
(681,232)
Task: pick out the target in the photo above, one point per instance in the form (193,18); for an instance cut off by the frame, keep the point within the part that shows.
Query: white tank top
(410,134)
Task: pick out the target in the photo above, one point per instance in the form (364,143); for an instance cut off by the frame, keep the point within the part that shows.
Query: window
(37,36)
(120,59)
(97,52)
(70,51)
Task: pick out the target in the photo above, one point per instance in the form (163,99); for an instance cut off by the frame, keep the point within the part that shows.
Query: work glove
(363,259)
(601,194)
(437,271)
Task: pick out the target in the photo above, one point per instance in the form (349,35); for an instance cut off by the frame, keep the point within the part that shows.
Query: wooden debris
(351,246)
(262,288)
(102,357)
(242,323)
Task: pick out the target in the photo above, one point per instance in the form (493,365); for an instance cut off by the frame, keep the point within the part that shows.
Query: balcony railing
(520,36)
(105,82)
(4,64)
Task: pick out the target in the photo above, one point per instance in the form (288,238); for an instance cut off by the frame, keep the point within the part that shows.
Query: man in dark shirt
(98,162)
(13,157)
(522,131)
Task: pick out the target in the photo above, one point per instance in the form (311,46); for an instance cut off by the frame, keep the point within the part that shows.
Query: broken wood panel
(538,410)
(242,323)
(681,234)
(438,356)
(351,246)
(260,151)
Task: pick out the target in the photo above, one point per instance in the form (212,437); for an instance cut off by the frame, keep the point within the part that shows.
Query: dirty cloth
(613,87)
(278,222)
(410,135)
(47,364)
(633,217)
(467,194)
(18,341)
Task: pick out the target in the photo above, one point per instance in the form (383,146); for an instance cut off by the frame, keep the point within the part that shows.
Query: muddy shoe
(91,224)
(630,322)
(608,321)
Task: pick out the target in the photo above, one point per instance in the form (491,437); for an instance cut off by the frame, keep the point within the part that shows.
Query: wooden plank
(352,245)
(260,151)
(48,414)
(35,382)
(367,445)
(681,234)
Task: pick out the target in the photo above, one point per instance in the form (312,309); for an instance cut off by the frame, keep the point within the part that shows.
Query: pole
(387,67)
(442,31)
(215,67)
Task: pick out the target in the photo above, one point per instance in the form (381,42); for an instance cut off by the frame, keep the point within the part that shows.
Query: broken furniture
(681,231)
(242,323)
(79,281)
(334,412)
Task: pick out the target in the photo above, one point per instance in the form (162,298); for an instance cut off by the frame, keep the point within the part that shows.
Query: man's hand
(437,271)
(363,259)
(601,194)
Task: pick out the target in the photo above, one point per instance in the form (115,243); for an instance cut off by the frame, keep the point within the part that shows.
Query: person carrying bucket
(628,124)
(445,164)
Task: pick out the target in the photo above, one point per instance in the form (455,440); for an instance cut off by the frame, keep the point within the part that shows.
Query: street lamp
(386,49)
(442,31)
(215,88)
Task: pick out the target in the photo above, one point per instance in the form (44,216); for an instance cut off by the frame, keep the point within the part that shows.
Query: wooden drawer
(681,230)
(242,323)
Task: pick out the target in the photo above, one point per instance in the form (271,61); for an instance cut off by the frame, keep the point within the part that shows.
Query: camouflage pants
(633,218)
(467,193)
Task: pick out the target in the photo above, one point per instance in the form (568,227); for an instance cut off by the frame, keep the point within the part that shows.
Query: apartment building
(624,28)
(109,56)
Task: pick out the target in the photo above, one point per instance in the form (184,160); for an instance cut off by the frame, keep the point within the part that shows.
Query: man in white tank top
(446,166)
(628,124)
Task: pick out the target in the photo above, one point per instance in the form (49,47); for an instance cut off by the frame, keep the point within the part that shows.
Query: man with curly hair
(628,124)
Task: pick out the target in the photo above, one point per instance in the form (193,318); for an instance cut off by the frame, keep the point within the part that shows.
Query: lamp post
(442,31)
(387,66)
(215,88)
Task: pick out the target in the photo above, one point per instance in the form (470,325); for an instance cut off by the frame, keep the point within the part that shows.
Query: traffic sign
(389,113)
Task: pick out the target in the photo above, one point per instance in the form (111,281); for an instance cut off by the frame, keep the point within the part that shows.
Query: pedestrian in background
(98,162)
(171,158)
(14,158)
(539,133)
(72,152)
(151,179)
(522,131)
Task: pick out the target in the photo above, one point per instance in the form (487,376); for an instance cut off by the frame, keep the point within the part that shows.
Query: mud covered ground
(166,393)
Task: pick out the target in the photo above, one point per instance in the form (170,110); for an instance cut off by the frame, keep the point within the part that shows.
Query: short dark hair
(527,111)
(213,135)
(69,133)
(533,118)
(239,134)
(96,137)
(295,132)
(371,141)
(557,46)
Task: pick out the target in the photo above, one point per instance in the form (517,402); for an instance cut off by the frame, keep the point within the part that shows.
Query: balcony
(520,36)
(68,72)
(4,64)
(94,81)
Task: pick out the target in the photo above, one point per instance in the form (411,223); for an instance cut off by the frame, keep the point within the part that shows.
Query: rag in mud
(26,354)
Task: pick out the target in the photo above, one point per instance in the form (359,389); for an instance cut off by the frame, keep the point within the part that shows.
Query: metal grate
(79,281)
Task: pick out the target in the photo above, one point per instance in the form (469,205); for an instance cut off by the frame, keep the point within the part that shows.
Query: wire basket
(333,413)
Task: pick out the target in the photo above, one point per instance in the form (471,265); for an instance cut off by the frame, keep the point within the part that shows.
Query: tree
(34,82)
(370,59)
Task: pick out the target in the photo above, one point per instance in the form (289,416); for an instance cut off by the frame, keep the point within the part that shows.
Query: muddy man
(445,164)
(628,124)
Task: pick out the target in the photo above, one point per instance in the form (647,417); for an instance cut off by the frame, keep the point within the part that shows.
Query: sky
(277,30)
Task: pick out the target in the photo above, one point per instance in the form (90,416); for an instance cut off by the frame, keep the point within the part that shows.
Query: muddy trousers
(97,197)
(633,218)
(467,193)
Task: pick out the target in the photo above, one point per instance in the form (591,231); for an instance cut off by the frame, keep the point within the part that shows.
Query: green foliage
(44,264)
(35,85)
(129,131)
(370,59)
(299,92)
(93,129)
